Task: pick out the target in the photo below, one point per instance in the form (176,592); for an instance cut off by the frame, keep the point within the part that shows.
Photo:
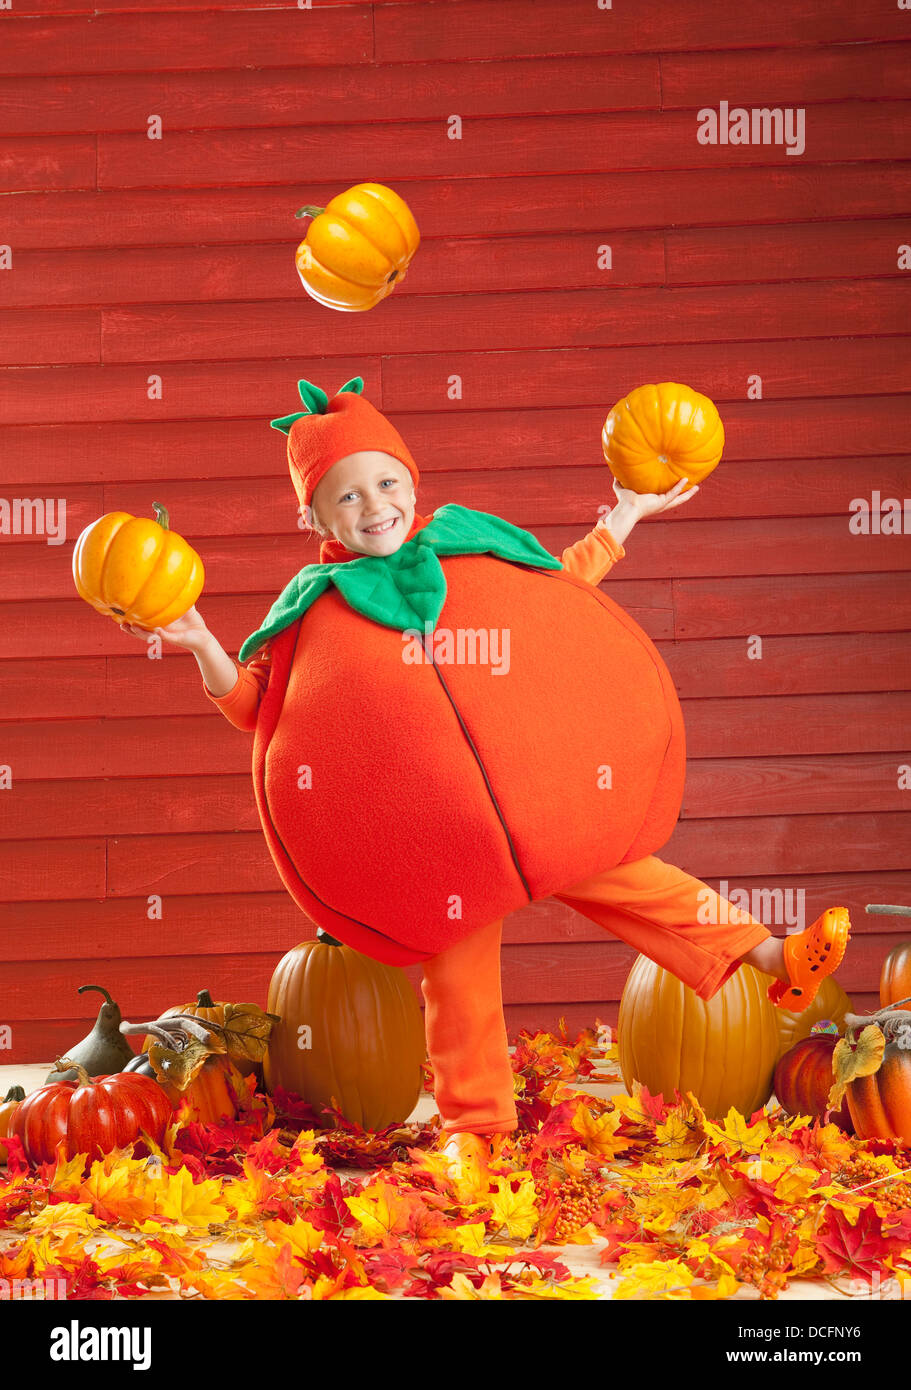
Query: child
(355,477)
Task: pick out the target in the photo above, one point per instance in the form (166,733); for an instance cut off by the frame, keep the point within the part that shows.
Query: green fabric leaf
(408,588)
(316,401)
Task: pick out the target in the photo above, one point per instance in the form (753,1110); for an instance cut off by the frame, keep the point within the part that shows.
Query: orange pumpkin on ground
(14,1096)
(212,1096)
(206,1010)
(91,1115)
(880,1104)
(895,977)
(723,1049)
(803,1079)
(350,1028)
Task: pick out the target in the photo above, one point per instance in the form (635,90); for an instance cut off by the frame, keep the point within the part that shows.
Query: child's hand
(189,631)
(643,504)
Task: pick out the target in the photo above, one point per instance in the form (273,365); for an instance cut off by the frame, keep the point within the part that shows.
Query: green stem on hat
(161,515)
(309,211)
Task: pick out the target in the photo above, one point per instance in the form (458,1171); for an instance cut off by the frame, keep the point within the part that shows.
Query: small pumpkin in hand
(136,570)
(357,248)
(13,1098)
(91,1115)
(659,434)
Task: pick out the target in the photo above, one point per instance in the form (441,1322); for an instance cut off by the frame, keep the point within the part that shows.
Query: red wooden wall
(133,257)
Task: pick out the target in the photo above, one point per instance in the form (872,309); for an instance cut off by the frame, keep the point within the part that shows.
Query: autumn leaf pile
(673,1204)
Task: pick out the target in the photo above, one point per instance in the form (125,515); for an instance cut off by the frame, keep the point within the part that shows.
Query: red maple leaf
(859,1249)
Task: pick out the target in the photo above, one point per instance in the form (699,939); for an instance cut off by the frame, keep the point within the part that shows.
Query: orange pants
(653,906)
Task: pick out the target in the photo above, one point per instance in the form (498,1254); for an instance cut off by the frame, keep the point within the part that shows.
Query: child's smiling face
(361,492)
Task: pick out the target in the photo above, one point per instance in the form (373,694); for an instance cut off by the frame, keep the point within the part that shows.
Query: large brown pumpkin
(803,1079)
(723,1049)
(350,1027)
(895,976)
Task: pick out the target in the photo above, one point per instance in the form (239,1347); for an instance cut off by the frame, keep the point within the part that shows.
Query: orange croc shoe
(809,957)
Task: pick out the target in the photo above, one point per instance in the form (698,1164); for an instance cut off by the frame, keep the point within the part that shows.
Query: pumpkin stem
(325,938)
(204,1000)
(67,1064)
(161,515)
(100,988)
(309,211)
(15,1093)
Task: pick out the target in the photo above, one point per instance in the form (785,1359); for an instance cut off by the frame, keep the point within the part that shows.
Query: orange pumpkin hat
(329,430)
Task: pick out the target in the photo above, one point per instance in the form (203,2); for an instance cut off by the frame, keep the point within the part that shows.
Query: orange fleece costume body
(651,905)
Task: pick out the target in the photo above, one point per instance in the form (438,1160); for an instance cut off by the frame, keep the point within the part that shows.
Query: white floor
(580,1259)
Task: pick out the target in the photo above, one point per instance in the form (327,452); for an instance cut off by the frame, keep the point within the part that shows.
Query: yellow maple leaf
(63,1216)
(517,1211)
(122,1193)
(134,1265)
(67,1175)
(360,1292)
(676,1138)
(214,1284)
(726,1286)
(598,1132)
(461,1287)
(660,1279)
(189,1203)
(303,1238)
(566,1289)
(381,1212)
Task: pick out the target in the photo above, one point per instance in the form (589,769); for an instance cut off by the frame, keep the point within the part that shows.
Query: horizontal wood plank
(225,99)
(607,317)
(810,407)
(493,146)
(475,29)
(265,271)
(151,41)
(644,200)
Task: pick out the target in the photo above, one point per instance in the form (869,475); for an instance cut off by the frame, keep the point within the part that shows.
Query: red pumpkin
(91,1115)
(803,1079)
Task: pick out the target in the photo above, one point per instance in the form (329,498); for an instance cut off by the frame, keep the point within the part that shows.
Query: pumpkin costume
(413,791)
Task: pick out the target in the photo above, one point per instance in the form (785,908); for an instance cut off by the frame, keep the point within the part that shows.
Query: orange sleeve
(241,704)
(593,556)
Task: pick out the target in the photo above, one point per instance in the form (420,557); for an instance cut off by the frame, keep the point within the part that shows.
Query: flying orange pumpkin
(357,248)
